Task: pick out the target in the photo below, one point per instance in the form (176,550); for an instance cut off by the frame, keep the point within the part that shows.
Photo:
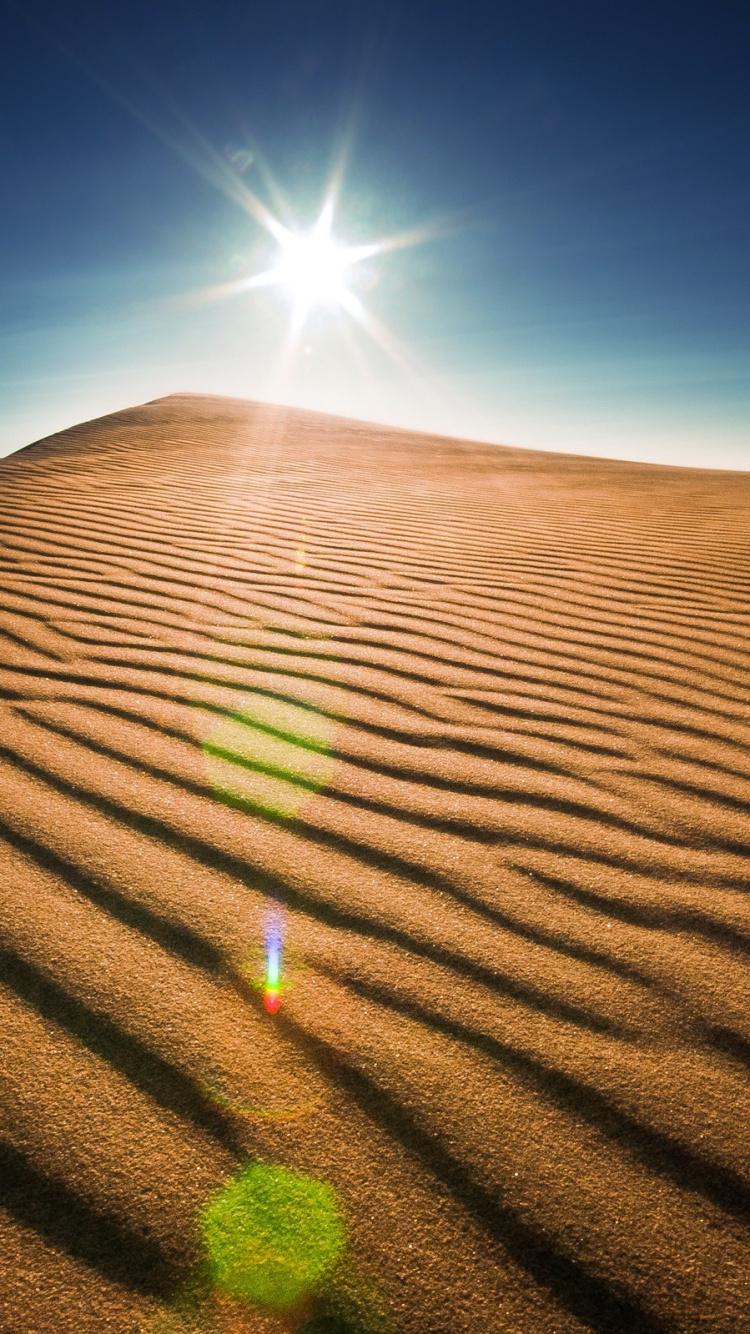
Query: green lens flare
(270,756)
(272,1236)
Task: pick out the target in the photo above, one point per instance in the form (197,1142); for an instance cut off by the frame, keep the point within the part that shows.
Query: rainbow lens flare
(272,984)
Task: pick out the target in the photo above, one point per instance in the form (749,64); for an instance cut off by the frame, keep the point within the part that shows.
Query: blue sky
(580,171)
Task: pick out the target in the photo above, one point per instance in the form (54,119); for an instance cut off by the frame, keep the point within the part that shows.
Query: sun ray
(379,333)
(313,268)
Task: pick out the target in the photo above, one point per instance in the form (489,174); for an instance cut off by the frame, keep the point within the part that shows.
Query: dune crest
(476,721)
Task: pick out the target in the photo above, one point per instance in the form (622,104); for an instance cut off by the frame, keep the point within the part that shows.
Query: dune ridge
(478,719)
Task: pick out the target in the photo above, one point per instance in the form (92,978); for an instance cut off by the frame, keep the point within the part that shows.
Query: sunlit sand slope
(478,720)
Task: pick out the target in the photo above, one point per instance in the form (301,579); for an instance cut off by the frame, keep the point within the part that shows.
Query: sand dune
(478,720)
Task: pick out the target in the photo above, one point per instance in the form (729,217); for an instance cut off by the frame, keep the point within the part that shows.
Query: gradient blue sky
(585,166)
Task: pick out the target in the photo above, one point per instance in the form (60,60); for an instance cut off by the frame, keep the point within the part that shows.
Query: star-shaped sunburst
(315,268)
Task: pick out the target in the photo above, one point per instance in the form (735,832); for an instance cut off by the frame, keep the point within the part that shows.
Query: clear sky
(576,176)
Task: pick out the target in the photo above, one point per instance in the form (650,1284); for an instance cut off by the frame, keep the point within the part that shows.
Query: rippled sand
(478,721)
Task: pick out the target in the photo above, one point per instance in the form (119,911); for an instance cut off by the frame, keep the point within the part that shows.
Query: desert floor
(473,724)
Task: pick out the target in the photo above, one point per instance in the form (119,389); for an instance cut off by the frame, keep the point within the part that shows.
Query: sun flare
(314,268)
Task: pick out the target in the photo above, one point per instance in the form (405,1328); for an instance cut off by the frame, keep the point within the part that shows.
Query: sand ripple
(479,719)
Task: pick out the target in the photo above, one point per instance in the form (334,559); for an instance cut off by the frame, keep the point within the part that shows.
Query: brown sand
(494,759)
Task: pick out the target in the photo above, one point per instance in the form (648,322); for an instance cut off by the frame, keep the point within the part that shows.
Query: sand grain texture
(478,718)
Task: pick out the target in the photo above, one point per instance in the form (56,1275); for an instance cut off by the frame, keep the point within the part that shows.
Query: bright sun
(313,268)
